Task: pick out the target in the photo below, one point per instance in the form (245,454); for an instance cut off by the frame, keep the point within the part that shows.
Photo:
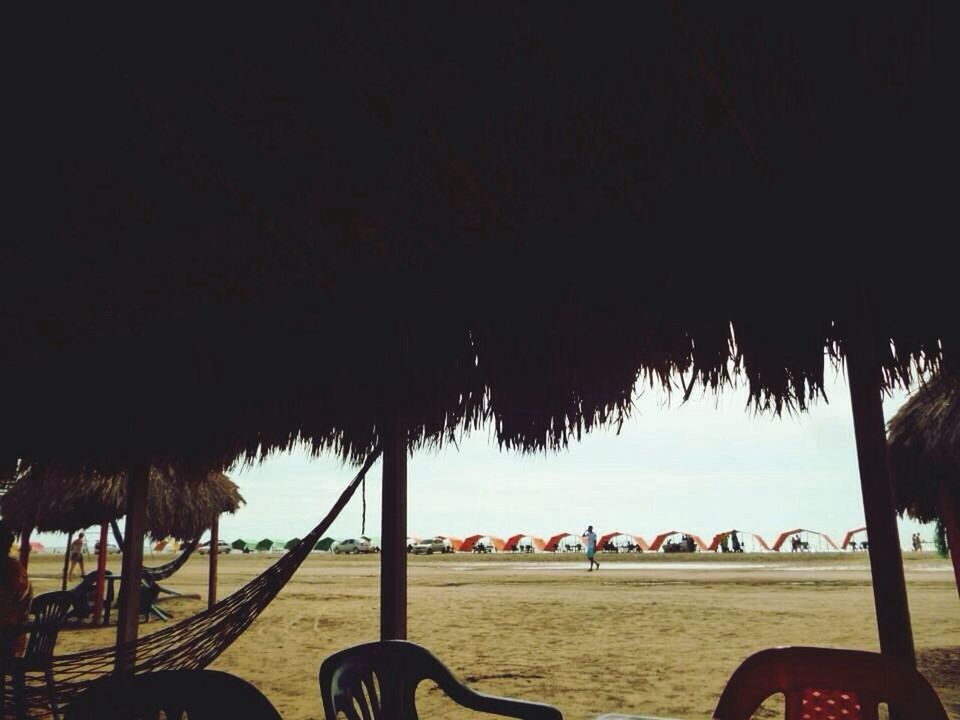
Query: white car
(431,546)
(352,546)
(222,548)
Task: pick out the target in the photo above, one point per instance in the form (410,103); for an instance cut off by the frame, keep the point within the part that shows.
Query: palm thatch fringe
(178,505)
(924,442)
(570,204)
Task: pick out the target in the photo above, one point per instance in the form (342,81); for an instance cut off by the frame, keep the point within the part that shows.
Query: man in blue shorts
(591,542)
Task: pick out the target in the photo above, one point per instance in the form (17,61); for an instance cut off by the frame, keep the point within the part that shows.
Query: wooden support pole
(66,561)
(950,515)
(886,557)
(393,554)
(128,615)
(25,548)
(101,575)
(214,555)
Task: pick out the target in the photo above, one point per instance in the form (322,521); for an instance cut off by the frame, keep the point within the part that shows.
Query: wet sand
(656,635)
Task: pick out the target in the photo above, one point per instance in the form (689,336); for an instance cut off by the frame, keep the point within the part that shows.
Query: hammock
(168,569)
(165,570)
(198,641)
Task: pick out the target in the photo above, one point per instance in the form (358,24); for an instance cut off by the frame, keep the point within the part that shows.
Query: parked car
(374,547)
(431,546)
(352,546)
(222,548)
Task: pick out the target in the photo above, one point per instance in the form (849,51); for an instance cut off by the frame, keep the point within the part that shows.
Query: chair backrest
(49,611)
(83,593)
(821,683)
(378,681)
(149,592)
(196,694)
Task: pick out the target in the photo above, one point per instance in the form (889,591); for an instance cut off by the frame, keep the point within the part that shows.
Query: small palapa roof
(924,442)
(177,505)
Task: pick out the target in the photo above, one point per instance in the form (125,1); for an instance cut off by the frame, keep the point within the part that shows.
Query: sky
(703,466)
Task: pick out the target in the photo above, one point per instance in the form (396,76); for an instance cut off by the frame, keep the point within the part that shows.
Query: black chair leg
(52,694)
(20,694)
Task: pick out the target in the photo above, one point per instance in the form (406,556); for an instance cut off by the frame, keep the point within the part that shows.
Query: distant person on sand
(15,597)
(591,540)
(77,548)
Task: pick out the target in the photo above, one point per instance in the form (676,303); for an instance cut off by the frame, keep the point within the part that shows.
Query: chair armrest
(481,702)
(509,707)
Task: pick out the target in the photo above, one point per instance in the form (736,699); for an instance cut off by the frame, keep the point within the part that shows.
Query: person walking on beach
(77,548)
(590,537)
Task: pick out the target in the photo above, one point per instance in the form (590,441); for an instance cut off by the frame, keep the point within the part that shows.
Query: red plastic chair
(828,684)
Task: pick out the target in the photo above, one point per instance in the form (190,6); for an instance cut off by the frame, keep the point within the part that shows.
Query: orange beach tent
(659,539)
(607,537)
(715,543)
(782,537)
(553,544)
(455,542)
(469,542)
(849,536)
(514,540)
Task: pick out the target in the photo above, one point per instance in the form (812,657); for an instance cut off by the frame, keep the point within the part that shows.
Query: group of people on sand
(917,542)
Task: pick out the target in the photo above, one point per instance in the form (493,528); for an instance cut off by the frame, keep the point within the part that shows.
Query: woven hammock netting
(194,643)
(166,570)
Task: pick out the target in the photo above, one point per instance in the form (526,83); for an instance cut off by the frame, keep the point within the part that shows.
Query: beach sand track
(660,639)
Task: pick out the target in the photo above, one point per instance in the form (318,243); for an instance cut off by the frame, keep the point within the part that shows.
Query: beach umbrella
(324,544)
(924,441)
(513,215)
(37,546)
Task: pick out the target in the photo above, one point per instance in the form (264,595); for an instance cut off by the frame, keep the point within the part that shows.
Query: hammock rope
(166,570)
(198,641)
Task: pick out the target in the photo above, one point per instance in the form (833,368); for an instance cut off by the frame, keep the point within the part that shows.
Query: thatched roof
(924,441)
(177,506)
(227,234)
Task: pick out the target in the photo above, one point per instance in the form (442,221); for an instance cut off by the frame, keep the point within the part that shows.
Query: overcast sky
(702,466)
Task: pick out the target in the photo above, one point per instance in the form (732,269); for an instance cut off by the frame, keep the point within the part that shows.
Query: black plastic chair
(378,681)
(48,613)
(83,596)
(196,694)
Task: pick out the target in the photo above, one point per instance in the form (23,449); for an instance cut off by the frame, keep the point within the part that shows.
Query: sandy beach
(648,634)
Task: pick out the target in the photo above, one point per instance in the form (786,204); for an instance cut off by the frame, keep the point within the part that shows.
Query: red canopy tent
(659,539)
(513,542)
(553,544)
(849,536)
(635,539)
(715,543)
(455,542)
(470,542)
(782,537)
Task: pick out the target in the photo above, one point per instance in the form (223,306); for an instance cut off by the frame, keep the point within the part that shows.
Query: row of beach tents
(811,540)
(621,541)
